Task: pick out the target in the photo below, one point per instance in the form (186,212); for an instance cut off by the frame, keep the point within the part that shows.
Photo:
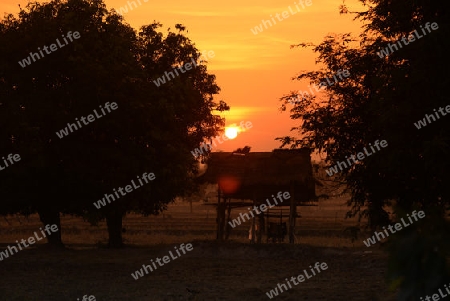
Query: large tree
(153,129)
(381,100)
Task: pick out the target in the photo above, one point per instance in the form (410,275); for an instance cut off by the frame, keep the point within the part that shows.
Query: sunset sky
(253,71)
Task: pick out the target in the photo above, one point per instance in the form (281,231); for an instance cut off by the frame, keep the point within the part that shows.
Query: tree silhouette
(244,150)
(381,100)
(153,129)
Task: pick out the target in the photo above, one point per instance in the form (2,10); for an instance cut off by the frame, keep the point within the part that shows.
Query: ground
(233,270)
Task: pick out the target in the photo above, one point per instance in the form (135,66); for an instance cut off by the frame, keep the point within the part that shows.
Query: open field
(234,270)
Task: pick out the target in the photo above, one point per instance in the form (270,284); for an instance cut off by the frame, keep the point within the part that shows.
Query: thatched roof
(258,175)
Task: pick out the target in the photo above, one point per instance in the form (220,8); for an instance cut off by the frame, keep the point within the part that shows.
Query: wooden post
(223,207)
(260,226)
(218,214)
(228,218)
(292,215)
(253,226)
(266,222)
(281,237)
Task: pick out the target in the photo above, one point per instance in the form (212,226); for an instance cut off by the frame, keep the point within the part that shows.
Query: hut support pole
(253,225)
(223,209)
(228,219)
(219,217)
(292,216)
(260,226)
(217,214)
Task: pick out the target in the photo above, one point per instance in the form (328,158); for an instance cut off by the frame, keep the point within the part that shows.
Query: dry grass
(234,270)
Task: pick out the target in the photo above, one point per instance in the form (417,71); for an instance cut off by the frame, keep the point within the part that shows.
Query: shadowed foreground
(233,271)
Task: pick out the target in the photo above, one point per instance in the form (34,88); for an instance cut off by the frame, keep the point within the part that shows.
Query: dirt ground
(233,270)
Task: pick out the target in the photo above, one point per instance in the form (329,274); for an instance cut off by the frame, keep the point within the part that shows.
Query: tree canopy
(382,99)
(152,130)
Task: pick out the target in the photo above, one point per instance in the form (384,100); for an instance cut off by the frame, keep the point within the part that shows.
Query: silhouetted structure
(256,176)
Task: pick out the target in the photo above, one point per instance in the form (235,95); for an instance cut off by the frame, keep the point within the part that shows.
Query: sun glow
(231,132)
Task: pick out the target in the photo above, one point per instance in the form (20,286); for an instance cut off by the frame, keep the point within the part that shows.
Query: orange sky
(253,71)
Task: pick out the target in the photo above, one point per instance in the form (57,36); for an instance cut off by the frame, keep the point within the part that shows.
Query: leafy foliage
(381,100)
(153,129)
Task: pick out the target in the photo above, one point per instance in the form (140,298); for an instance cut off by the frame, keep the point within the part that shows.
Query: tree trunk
(50,217)
(114,223)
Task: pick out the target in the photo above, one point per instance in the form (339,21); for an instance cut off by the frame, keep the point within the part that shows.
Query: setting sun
(231,132)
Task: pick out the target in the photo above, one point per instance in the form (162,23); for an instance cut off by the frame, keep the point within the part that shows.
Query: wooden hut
(256,176)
